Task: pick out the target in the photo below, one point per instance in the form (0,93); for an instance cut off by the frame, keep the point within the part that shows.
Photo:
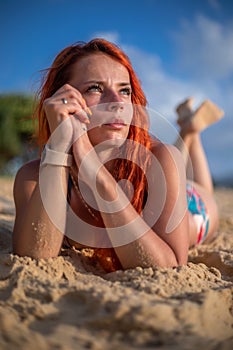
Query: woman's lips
(115,125)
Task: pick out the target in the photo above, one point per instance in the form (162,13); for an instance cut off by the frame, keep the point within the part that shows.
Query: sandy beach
(66,303)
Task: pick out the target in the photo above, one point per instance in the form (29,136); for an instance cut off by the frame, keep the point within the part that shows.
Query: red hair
(59,74)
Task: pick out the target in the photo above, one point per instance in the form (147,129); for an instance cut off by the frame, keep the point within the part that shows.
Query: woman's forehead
(100,65)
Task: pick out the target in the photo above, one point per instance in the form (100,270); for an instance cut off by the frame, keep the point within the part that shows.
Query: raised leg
(191,124)
(189,142)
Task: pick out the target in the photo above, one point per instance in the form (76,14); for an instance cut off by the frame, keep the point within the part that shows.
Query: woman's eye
(94,88)
(126,91)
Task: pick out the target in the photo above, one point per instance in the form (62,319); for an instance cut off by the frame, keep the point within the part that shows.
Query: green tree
(16,125)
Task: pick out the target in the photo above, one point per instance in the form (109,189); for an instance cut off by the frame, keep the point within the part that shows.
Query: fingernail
(83,114)
(85,117)
(89,111)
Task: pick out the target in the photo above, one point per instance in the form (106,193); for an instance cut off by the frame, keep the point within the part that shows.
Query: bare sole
(185,109)
(205,115)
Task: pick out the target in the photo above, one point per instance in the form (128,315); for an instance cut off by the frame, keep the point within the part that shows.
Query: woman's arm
(144,241)
(40,190)
(35,233)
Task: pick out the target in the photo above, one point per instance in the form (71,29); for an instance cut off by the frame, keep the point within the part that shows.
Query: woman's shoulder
(29,171)
(168,161)
(163,151)
(27,177)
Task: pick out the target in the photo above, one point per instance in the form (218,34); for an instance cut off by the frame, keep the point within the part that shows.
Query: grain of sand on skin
(66,303)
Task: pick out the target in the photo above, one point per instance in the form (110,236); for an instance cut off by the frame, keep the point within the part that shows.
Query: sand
(66,303)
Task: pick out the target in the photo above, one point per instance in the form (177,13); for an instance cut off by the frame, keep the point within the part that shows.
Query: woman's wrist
(52,157)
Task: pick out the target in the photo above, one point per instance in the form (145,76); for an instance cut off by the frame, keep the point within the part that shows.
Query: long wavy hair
(59,74)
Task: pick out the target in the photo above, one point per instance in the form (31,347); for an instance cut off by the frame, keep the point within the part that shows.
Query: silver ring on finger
(84,128)
(64,101)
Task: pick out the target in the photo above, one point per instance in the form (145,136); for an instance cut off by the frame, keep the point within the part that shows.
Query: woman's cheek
(91,100)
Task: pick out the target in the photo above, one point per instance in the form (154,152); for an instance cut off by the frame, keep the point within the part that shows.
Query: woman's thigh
(211,211)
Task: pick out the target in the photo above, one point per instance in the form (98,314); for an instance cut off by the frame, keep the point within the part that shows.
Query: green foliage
(16,124)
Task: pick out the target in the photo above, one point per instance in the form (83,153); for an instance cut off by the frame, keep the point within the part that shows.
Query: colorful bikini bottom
(199,212)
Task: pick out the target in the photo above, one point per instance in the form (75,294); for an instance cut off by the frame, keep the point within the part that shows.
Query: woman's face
(105,85)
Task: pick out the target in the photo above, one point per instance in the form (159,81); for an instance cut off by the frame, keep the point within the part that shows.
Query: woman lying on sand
(102,181)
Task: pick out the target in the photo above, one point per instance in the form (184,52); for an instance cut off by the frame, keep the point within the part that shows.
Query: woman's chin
(106,138)
(110,143)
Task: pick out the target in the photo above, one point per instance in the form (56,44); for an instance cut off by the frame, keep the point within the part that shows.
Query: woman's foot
(185,110)
(196,121)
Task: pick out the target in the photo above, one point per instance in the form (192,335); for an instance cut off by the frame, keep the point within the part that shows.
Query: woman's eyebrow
(125,84)
(102,82)
(93,82)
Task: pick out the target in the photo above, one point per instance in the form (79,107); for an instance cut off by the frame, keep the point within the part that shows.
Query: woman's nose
(115,106)
(114,102)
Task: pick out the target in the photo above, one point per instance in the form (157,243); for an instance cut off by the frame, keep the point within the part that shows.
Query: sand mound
(66,303)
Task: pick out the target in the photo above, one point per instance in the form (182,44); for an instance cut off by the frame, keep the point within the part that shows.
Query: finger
(65,102)
(74,108)
(82,116)
(87,109)
(79,128)
(69,93)
(76,97)
(73,93)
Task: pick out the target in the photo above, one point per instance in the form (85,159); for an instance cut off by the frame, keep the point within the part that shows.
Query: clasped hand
(67,115)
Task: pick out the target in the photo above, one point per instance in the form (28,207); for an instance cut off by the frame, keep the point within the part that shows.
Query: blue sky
(179,48)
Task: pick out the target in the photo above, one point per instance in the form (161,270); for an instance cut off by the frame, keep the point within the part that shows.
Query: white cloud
(204,48)
(163,91)
(110,36)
